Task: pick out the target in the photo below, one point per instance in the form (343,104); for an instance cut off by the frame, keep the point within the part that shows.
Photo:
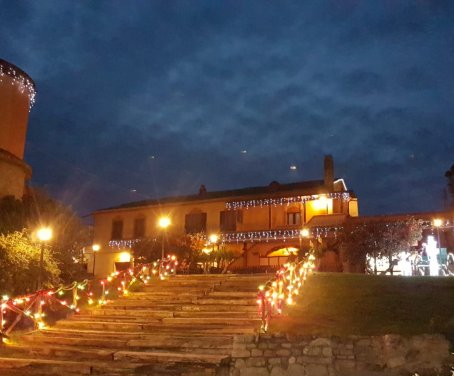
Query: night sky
(142,99)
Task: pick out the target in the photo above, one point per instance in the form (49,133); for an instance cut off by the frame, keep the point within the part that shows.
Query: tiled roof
(274,189)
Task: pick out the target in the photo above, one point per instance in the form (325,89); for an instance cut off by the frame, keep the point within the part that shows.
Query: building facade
(17,95)
(263,225)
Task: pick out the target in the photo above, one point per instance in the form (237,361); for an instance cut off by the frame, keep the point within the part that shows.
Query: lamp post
(44,234)
(214,239)
(95,248)
(163,223)
(304,233)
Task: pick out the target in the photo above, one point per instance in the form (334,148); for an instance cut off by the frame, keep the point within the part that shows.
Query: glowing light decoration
(282,290)
(246,204)
(23,83)
(124,257)
(31,306)
(270,235)
(432,253)
(123,243)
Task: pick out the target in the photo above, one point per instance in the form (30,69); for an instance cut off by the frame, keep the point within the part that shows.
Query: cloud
(157,98)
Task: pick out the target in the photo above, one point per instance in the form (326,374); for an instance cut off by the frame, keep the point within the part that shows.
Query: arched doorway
(278,256)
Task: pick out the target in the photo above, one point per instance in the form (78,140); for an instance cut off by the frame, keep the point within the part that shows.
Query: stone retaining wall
(284,355)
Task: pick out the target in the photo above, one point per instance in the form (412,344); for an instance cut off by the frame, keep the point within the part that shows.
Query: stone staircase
(183,326)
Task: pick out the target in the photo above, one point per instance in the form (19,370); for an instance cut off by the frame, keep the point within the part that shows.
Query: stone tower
(17,95)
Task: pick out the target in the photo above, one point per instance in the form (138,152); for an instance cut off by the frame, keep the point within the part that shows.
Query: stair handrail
(31,306)
(280,291)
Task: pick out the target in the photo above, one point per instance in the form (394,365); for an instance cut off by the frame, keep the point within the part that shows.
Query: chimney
(202,190)
(328,175)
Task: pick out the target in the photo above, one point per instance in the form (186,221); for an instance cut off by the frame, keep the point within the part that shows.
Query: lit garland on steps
(246,204)
(32,306)
(282,290)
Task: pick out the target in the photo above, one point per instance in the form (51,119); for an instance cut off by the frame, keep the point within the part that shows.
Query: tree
(37,209)
(20,263)
(377,239)
(190,249)
(450,176)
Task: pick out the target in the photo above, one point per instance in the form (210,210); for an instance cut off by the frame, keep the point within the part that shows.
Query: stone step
(145,357)
(163,292)
(155,365)
(58,350)
(127,312)
(233,294)
(156,299)
(124,338)
(175,327)
(131,305)
(129,315)
(218,308)
(30,366)
(89,341)
(224,301)
(226,320)
(228,313)
(117,318)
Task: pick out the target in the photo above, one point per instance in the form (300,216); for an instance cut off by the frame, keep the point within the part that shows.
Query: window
(293,218)
(117,229)
(139,228)
(227,220)
(195,222)
(239,216)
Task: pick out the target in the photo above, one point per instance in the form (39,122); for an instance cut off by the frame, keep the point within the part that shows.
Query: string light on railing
(32,305)
(270,235)
(275,294)
(246,204)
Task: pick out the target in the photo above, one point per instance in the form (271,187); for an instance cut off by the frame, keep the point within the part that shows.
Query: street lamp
(214,239)
(304,233)
(44,234)
(163,223)
(95,248)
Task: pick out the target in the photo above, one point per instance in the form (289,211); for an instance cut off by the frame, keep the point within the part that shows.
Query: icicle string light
(123,243)
(282,290)
(33,306)
(246,204)
(19,79)
(270,235)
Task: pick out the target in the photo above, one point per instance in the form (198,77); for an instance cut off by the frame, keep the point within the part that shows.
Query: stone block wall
(285,355)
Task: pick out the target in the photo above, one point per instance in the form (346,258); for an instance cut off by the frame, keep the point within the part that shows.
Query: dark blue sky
(143,99)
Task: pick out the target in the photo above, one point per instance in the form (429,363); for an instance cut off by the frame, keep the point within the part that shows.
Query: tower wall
(17,94)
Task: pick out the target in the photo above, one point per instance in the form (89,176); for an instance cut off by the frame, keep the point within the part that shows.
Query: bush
(19,264)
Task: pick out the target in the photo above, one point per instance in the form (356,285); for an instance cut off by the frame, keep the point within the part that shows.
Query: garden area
(354,304)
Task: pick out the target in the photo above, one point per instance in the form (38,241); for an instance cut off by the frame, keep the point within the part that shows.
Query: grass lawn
(342,304)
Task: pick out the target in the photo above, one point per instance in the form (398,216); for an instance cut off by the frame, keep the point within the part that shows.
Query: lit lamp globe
(304,233)
(438,222)
(164,222)
(95,248)
(214,238)
(44,234)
